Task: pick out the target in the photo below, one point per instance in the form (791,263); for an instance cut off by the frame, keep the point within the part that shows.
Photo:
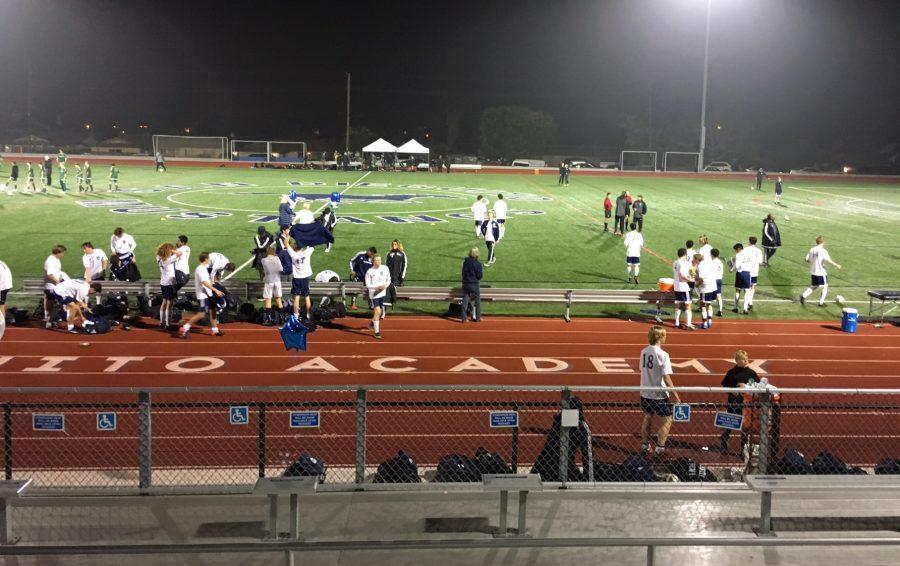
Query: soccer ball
(839,299)
(786,217)
(721,207)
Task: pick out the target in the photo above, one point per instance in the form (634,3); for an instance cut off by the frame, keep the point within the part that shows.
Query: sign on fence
(504,419)
(239,415)
(304,419)
(681,413)
(48,422)
(730,421)
(106,421)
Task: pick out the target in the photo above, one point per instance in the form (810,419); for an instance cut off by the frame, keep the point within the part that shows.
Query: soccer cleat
(218,333)
(745,311)
(735,310)
(802,300)
(750,308)
(720,314)
(48,324)
(821,304)
(183,334)
(689,327)
(635,280)
(73,331)
(628,281)
(378,335)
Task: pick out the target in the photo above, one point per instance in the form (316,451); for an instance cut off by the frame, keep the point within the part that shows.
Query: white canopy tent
(380,146)
(412,147)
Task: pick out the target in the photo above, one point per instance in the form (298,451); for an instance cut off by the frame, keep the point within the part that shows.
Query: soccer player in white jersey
(817,257)
(656,371)
(634,242)
(742,281)
(757,258)
(95,262)
(479,213)
(719,271)
(500,211)
(183,263)
(706,275)
(203,287)
(301,271)
(681,273)
(53,276)
(378,278)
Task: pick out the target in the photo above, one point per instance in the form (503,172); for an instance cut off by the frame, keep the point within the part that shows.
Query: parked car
(529,163)
(580,164)
(608,165)
(720,166)
(805,171)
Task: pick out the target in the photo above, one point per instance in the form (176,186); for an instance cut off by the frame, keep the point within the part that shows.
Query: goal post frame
(222,148)
(646,152)
(668,153)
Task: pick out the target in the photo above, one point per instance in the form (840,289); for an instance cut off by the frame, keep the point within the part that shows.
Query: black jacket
(472,271)
(771,237)
(621,206)
(640,209)
(396,263)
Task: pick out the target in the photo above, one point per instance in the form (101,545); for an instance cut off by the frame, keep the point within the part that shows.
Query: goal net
(208,147)
(268,151)
(638,161)
(688,161)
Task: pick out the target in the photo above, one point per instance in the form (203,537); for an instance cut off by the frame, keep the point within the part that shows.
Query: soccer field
(554,236)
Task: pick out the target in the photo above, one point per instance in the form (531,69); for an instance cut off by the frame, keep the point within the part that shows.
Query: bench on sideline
(568,297)
(853,486)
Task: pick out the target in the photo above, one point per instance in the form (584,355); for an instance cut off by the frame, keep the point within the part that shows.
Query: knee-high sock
(748,298)
(637,270)
(824,294)
(719,301)
(377,324)
(737,298)
(690,314)
(807,293)
(677,316)
(628,268)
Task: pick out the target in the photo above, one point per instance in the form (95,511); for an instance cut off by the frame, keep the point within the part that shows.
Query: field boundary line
(317,211)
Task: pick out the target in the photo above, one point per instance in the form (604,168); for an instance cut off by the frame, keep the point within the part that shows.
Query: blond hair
(656,335)
(741,355)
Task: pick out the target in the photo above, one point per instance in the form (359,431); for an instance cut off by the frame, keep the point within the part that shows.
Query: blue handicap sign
(239,415)
(304,419)
(681,413)
(48,422)
(730,421)
(106,421)
(504,419)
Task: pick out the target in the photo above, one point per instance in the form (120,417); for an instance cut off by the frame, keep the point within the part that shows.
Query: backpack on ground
(457,468)
(132,273)
(638,468)
(490,463)
(322,315)
(16,317)
(687,470)
(305,465)
(792,462)
(400,469)
(826,463)
(98,325)
(247,313)
(888,466)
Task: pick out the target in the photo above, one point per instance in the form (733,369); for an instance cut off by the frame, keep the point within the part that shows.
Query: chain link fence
(214,438)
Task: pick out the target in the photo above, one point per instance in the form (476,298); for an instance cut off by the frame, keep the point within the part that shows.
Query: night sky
(793,76)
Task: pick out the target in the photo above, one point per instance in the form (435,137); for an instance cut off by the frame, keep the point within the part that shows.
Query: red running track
(431,351)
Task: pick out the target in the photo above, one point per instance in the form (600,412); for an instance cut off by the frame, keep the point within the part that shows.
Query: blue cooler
(849,320)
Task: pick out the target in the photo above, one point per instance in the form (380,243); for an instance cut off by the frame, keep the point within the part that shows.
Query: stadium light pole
(703,98)
(347,131)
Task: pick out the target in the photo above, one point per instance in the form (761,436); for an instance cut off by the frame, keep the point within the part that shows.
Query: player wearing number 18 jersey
(656,371)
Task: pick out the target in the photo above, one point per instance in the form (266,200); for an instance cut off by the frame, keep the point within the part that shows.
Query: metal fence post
(360,436)
(261,447)
(564,441)
(765,407)
(7,442)
(145,441)
(514,449)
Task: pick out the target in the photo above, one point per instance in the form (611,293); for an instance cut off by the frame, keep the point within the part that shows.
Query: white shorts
(272,290)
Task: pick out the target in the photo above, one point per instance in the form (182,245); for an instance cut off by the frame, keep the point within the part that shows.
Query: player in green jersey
(29,176)
(88,183)
(113,185)
(79,178)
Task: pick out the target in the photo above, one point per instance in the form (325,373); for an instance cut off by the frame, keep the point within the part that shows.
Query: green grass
(563,247)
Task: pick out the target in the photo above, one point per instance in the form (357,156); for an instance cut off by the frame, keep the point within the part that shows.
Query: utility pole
(347,132)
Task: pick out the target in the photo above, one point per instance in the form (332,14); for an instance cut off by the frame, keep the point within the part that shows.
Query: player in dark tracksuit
(360,263)
(11,185)
(639,209)
(771,238)
(760,176)
(396,264)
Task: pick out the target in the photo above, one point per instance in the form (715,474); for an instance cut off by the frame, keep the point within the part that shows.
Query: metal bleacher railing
(224,439)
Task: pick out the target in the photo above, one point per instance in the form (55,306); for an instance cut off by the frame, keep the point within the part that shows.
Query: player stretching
(29,176)
(816,258)
(88,183)
(634,241)
(113,184)
(79,178)
(61,160)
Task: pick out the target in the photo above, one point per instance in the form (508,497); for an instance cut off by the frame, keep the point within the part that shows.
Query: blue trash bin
(849,319)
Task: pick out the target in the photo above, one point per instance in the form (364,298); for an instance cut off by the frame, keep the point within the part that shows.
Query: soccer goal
(268,151)
(688,161)
(208,147)
(637,161)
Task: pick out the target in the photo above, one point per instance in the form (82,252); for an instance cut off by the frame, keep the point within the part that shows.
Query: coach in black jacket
(472,272)
(771,237)
(639,209)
